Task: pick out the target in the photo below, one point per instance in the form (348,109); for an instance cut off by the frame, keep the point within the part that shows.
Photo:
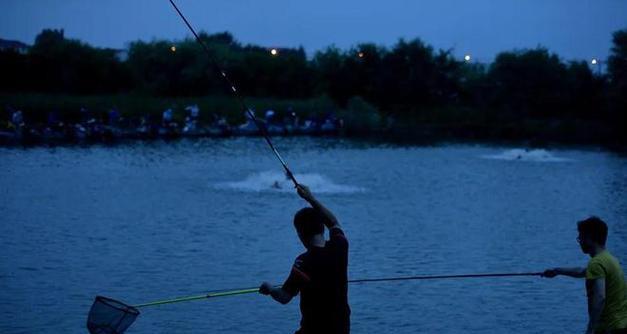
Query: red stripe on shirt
(301,273)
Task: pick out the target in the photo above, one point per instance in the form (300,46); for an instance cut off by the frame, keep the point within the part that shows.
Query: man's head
(592,234)
(308,224)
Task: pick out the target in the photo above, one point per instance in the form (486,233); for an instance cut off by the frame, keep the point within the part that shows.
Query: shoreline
(374,139)
(140,118)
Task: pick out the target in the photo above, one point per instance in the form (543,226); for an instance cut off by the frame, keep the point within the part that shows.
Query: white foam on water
(277,181)
(520,154)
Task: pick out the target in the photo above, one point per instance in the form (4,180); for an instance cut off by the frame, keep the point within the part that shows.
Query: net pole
(354,281)
(198,297)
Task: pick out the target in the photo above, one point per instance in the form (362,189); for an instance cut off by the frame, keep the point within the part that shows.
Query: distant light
(274,52)
(594,61)
(173,48)
(467,58)
(360,55)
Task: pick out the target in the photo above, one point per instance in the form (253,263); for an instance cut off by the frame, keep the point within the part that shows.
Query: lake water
(148,221)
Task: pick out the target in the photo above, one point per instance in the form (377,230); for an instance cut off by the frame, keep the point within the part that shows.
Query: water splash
(278,182)
(538,155)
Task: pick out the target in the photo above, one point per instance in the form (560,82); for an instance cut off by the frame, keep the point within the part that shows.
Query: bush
(360,117)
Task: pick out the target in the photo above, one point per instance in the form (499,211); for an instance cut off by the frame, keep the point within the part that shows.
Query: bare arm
(571,272)
(277,293)
(329,219)
(596,302)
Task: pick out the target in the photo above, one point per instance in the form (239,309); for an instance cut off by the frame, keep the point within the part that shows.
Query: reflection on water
(151,221)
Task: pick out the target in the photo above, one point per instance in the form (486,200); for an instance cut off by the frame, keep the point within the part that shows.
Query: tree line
(409,81)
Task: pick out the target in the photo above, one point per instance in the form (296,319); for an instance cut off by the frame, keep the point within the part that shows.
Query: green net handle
(382,279)
(199,297)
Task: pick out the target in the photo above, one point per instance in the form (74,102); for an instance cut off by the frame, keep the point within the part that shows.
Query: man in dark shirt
(319,274)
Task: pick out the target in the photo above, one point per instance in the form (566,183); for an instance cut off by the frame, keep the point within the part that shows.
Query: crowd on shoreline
(89,127)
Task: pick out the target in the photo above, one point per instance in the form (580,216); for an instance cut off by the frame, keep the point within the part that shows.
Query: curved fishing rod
(432,277)
(239,98)
(241,291)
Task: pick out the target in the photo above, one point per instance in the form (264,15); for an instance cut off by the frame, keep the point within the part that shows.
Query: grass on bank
(37,106)
(360,117)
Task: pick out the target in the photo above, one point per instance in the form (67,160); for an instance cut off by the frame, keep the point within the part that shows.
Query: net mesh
(109,316)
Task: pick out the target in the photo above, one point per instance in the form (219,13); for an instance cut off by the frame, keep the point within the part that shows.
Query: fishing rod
(237,95)
(434,277)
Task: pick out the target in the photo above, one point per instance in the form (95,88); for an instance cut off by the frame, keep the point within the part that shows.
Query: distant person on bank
(605,281)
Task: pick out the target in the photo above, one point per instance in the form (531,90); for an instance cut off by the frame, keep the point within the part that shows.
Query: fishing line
(239,98)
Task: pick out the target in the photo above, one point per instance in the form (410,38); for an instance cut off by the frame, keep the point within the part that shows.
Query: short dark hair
(308,222)
(593,228)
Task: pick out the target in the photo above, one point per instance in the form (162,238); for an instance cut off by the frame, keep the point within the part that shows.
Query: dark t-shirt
(320,275)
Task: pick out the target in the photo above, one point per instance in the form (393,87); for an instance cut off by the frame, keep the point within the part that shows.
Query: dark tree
(617,70)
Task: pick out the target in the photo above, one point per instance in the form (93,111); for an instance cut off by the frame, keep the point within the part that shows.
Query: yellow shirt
(614,315)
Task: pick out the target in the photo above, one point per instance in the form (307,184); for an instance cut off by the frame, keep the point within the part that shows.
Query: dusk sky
(572,28)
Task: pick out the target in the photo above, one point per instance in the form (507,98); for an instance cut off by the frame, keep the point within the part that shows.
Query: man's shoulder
(601,265)
(597,261)
(302,258)
(610,257)
(336,228)
(604,259)
(336,233)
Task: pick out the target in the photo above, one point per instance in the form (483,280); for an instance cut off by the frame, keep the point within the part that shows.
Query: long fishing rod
(239,98)
(433,277)
(242,291)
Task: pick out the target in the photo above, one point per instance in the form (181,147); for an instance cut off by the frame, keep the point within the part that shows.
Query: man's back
(320,276)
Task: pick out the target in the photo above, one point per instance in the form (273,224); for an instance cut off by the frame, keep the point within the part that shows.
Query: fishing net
(109,316)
